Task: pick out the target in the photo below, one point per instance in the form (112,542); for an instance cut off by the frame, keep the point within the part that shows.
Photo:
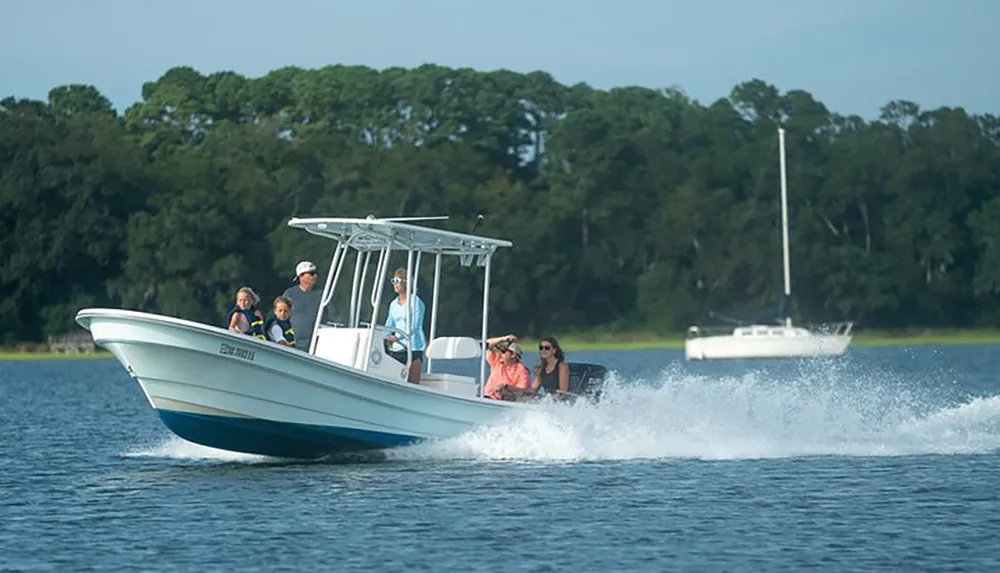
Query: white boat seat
(453,347)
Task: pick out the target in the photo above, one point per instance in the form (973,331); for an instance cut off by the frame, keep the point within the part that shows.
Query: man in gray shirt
(305,304)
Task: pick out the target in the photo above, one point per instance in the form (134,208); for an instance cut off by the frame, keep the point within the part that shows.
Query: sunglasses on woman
(544,347)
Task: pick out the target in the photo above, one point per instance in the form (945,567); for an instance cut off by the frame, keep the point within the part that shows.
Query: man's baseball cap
(304,267)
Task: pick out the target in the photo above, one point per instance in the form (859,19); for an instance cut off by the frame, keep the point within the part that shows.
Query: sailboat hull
(783,343)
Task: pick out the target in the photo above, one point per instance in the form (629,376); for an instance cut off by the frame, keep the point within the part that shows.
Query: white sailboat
(780,340)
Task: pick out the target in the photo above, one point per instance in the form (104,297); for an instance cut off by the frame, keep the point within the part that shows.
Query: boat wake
(176,448)
(750,417)
(682,416)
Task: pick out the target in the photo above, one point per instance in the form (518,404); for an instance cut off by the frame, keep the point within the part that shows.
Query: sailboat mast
(784,223)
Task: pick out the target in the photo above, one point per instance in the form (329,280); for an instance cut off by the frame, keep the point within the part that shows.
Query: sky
(853,55)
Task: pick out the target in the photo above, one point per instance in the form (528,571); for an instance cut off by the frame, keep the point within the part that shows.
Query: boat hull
(737,347)
(228,391)
(275,438)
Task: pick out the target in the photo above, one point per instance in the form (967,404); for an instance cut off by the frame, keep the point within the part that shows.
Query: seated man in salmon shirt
(508,376)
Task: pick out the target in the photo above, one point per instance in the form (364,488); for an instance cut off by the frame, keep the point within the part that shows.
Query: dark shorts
(400,355)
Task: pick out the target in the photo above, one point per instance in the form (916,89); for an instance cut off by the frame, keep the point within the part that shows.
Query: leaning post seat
(453,348)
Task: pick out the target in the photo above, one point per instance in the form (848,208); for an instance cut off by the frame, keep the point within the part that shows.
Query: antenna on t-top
(479,219)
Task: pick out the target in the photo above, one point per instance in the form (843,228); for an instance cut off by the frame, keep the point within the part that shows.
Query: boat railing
(702,331)
(372,242)
(832,328)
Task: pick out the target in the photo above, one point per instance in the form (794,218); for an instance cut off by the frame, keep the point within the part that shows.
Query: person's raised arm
(491,342)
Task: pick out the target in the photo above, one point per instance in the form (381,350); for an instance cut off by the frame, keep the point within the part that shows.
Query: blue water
(885,460)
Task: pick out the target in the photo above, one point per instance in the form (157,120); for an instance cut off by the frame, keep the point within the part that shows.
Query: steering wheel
(401,336)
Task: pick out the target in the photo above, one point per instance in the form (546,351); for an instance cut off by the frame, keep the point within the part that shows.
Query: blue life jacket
(256,323)
(286,329)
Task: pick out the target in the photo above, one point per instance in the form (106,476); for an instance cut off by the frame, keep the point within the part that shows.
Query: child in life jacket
(278,326)
(244,317)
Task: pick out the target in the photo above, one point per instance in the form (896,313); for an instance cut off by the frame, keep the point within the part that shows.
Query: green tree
(628,208)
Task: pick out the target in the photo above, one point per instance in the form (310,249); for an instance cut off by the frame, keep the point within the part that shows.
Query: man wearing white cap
(305,300)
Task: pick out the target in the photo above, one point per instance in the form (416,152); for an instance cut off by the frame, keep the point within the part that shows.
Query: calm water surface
(883,461)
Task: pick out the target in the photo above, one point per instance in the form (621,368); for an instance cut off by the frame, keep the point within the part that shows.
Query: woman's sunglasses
(544,347)
(396,280)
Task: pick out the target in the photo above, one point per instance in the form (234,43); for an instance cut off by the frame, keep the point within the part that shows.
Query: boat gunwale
(87,314)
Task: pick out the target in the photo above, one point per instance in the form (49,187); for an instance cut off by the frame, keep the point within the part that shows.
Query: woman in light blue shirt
(396,318)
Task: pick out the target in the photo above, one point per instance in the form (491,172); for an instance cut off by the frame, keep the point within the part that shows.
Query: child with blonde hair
(244,316)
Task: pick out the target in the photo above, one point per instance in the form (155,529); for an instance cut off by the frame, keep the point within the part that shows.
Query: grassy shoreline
(643,341)
(7,355)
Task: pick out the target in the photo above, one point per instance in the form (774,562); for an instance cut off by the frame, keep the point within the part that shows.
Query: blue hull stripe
(277,439)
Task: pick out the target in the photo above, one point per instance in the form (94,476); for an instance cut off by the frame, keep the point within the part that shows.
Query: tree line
(630,208)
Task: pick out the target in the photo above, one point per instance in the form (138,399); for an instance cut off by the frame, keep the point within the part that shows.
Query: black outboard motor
(587,379)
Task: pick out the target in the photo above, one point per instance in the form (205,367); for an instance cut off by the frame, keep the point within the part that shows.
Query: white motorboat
(227,390)
(781,340)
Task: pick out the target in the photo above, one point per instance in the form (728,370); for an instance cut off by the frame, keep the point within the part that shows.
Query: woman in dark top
(552,372)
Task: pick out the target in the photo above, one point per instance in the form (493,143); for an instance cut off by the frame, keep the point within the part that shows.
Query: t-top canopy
(371,234)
